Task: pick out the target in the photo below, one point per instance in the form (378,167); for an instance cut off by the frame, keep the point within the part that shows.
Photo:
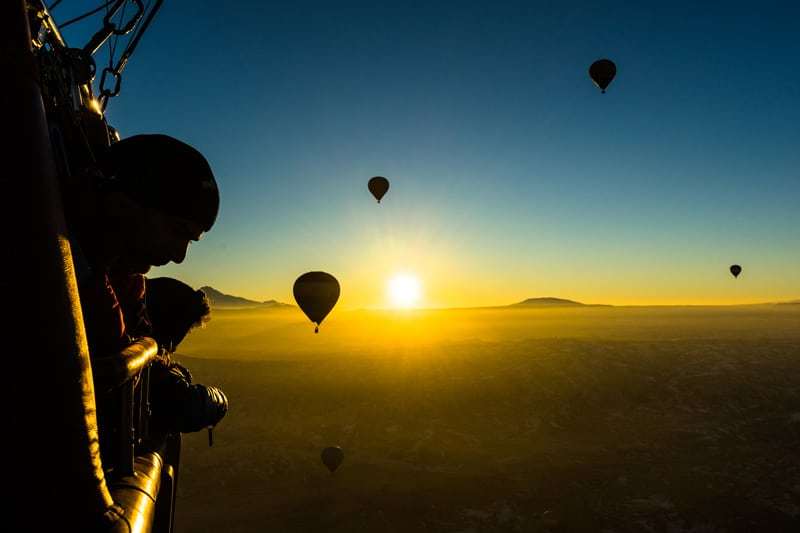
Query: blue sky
(512,176)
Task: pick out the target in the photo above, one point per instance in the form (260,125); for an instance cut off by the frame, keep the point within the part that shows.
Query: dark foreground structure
(52,124)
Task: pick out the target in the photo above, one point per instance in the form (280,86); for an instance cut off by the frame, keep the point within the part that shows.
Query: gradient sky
(512,176)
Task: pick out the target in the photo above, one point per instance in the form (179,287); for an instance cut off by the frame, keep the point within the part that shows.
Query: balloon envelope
(736,270)
(602,72)
(316,293)
(378,187)
(332,457)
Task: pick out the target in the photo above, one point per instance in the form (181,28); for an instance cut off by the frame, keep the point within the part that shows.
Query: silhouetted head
(159,194)
(174,309)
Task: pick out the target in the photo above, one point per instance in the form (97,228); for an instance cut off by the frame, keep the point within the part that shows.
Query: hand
(187,375)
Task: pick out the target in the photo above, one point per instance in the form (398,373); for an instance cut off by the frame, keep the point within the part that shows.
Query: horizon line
(507,306)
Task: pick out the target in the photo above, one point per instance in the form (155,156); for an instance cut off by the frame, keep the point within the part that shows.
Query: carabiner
(117,83)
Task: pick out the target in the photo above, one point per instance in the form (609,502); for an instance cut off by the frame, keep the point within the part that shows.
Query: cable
(112,47)
(139,29)
(110,55)
(89,14)
(52,7)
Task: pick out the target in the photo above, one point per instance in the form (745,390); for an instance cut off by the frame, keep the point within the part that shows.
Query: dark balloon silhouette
(332,457)
(316,293)
(378,187)
(736,270)
(602,72)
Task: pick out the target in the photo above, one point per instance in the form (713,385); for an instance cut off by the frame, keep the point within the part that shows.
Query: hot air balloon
(602,72)
(316,293)
(378,187)
(736,270)
(332,457)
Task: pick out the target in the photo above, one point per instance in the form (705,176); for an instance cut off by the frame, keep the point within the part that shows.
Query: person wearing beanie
(152,196)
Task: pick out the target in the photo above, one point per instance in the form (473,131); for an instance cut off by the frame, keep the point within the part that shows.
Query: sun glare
(404,290)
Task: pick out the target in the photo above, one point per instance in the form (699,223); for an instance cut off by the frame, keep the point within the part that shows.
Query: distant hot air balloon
(316,293)
(332,457)
(736,270)
(378,187)
(602,72)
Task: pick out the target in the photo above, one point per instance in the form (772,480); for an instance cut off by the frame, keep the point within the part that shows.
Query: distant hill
(548,301)
(221,300)
(553,302)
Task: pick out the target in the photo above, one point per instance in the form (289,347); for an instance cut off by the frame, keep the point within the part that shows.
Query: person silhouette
(151,197)
(147,199)
(174,309)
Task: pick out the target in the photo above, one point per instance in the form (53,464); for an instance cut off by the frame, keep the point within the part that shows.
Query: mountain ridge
(219,299)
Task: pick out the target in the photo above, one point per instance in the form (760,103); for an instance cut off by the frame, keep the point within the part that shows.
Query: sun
(404,290)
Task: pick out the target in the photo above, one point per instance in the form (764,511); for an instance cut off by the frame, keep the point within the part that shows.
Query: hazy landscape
(526,418)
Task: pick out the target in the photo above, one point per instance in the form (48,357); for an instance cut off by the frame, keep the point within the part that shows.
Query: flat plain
(612,419)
